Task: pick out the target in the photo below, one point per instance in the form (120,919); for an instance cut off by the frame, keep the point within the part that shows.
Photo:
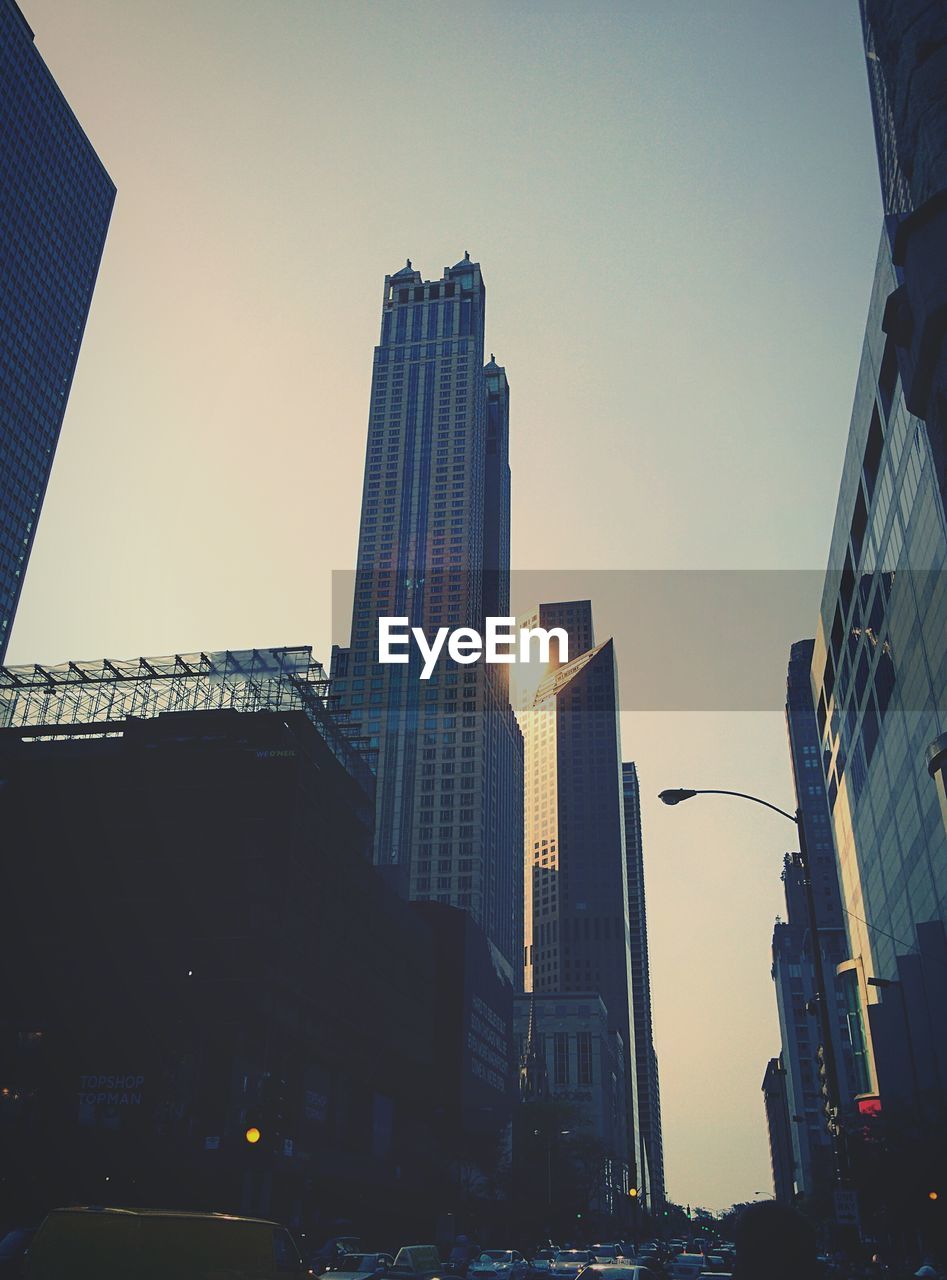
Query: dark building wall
(777,1123)
(473,1024)
(192,903)
(805,754)
(55,203)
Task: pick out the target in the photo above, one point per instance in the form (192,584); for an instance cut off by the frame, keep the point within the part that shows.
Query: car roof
(103,1210)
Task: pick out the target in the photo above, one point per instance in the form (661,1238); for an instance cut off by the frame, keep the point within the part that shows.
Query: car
(93,1243)
(329,1257)
(416,1262)
(715,1262)
(686,1266)
(616,1271)
(569,1262)
(541,1259)
(606,1252)
(13,1246)
(498,1264)
(362,1266)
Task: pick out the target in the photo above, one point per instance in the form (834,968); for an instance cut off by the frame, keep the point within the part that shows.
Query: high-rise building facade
(434,549)
(879,672)
(55,203)
(906,57)
(576,885)
(650,1140)
(792,970)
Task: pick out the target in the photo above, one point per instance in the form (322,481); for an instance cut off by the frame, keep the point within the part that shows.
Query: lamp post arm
(756,800)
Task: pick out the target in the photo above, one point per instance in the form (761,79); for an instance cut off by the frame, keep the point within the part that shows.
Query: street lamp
(800,861)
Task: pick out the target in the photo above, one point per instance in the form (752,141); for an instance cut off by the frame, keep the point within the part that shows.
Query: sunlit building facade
(577,932)
(55,203)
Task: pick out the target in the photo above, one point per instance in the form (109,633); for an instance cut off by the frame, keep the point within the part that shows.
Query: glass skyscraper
(879,669)
(55,203)
(577,930)
(434,546)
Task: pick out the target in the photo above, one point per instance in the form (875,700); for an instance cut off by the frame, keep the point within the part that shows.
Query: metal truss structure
(96,697)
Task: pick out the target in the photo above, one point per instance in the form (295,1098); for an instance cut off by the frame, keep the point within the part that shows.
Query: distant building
(201,946)
(55,203)
(792,969)
(650,1139)
(778,1125)
(434,548)
(585,1071)
(576,922)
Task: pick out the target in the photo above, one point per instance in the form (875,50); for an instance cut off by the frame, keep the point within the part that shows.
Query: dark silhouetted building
(778,1126)
(196,944)
(650,1138)
(584,1070)
(55,204)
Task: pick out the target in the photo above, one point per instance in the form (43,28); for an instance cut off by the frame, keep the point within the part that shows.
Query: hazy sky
(676,208)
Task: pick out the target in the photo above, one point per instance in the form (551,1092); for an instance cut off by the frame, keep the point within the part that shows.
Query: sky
(676,208)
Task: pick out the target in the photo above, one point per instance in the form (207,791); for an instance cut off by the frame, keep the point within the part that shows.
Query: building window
(584,1043)
(562,1057)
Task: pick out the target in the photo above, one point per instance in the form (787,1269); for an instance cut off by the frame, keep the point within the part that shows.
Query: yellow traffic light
(633,1191)
(253,1135)
(932,1195)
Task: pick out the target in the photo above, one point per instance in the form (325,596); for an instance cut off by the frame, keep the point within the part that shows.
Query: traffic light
(633,1192)
(253,1135)
(933,1195)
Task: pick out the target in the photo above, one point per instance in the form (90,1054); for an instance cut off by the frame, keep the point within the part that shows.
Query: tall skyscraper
(434,548)
(879,673)
(55,203)
(650,1139)
(576,921)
